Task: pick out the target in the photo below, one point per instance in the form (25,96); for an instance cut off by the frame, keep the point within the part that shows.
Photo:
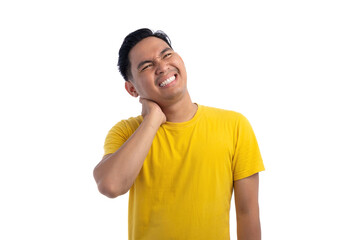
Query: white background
(291,67)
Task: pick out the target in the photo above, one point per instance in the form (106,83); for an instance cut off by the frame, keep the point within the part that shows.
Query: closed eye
(146,67)
(167,55)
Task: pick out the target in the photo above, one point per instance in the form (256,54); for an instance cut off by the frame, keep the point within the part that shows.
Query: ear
(131,89)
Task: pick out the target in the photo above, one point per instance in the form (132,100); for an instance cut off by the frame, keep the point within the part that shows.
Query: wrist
(155,120)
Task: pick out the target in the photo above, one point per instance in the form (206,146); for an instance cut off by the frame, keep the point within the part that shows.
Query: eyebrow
(149,61)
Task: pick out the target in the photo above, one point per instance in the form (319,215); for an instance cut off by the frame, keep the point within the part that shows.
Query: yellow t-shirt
(184,188)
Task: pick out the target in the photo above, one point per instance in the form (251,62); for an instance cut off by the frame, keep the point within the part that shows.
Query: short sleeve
(119,134)
(247,159)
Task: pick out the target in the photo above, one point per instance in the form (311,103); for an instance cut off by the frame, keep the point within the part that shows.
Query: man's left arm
(247,208)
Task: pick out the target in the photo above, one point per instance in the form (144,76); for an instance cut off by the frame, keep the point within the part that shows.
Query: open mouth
(167,81)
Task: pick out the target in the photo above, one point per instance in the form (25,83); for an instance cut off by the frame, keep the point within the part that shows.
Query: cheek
(146,84)
(181,68)
(179,63)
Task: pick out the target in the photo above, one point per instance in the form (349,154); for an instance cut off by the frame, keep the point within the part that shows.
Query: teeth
(167,81)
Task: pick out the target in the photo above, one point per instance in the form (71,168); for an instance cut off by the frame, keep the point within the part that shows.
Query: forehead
(147,48)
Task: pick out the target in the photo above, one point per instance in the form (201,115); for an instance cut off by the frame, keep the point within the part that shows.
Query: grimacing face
(157,72)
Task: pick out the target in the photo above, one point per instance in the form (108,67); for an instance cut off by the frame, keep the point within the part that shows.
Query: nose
(161,67)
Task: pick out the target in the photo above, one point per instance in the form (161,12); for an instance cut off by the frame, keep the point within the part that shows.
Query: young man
(180,160)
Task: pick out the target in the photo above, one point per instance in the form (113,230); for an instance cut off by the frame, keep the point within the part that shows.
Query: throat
(180,113)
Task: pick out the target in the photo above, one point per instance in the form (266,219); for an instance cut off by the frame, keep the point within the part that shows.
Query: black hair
(130,41)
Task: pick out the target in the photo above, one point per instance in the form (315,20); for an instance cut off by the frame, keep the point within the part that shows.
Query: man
(180,160)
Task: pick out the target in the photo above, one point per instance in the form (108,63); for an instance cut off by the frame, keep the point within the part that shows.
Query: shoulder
(222,114)
(127,126)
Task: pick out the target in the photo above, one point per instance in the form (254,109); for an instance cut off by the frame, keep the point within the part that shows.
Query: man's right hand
(116,172)
(152,110)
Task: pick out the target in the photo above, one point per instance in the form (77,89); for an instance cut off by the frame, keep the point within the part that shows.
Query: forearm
(248,226)
(116,174)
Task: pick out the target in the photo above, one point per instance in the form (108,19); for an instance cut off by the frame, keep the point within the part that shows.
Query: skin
(247,208)
(161,63)
(152,62)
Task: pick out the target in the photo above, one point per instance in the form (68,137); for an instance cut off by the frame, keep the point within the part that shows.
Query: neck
(180,111)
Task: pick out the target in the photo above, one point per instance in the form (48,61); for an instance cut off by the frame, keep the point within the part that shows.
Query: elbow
(110,190)
(109,187)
